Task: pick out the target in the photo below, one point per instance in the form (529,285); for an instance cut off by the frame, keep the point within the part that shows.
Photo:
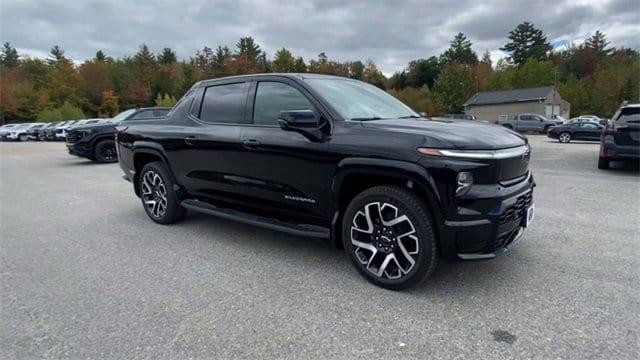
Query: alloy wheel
(564,137)
(385,240)
(109,153)
(154,193)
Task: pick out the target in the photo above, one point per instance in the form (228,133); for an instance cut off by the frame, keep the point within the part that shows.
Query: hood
(94,126)
(454,133)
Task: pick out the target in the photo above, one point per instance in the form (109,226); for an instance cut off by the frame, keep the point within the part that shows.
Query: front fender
(406,171)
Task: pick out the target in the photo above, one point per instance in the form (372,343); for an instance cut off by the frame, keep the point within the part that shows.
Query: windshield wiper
(366,118)
(410,117)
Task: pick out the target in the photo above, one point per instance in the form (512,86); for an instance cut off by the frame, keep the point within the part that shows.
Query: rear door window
(224,103)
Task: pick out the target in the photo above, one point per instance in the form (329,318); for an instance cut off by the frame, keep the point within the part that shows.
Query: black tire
(546,129)
(603,163)
(387,241)
(173,212)
(564,137)
(105,152)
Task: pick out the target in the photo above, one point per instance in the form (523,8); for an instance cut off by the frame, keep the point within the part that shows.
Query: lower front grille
(506,239)
(516,211)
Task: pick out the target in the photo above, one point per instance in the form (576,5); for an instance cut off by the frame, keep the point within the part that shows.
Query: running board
(294,229)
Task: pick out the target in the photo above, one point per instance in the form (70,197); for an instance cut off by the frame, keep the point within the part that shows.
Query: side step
(294,229)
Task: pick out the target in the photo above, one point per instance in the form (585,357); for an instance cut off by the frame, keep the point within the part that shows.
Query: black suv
(621,137)
(96,141)
(336,158)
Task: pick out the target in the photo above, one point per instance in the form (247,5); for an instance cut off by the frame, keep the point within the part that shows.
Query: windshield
(123,115)
(356,100)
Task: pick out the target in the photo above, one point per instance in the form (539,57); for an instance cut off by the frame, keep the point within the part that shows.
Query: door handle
(190,140)
(250,143)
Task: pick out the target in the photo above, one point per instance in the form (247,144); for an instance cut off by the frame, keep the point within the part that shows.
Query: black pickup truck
(96,141)
(331,157)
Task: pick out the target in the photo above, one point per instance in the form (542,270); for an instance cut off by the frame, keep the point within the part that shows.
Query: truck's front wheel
(388,235)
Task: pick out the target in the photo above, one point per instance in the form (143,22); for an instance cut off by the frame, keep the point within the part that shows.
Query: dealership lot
(84,273)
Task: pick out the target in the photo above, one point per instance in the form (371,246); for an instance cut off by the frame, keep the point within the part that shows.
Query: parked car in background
(621,137)
(580,119)
(42,132)
(4,129)
(529,122)
(18,132)
(61,131)
(94,140)
(459,116)
(332,157)
(50,131)
(584,130)
(33,132)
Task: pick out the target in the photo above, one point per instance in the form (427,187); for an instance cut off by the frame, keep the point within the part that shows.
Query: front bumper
(80,149)
(491,222)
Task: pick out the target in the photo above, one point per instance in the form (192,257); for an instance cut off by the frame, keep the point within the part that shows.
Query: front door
(283,170)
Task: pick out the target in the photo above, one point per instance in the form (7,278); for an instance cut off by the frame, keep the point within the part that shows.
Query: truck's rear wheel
(158,198)
(388,235)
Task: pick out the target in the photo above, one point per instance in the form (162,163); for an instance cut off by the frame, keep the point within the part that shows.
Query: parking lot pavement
(85,274)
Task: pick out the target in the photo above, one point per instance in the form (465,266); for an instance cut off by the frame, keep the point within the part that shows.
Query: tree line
(593,76)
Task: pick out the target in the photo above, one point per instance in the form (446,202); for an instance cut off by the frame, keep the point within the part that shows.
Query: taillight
(610,129)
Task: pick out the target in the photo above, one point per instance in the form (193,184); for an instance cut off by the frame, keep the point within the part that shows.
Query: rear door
(525,123)
(204,153)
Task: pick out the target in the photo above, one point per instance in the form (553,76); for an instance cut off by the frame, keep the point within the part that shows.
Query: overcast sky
(389,32)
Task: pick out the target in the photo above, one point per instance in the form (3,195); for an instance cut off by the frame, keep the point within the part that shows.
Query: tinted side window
(143,114)
(526,117)
(224,103)
(274,97)
(629,114)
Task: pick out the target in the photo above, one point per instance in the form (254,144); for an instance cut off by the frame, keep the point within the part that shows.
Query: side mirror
(298,119)
(305,122)
(603,122)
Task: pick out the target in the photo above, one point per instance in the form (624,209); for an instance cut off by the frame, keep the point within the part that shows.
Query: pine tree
(300,66)
(167,56)
(460,51)
(527,41)
(9,56)
(57,55)
(100,56)
(248,48)
(356,70)
(284,61)
(598,43)
(486,57)
(144,57)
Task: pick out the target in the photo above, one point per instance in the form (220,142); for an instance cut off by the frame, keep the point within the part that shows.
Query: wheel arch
(144,153)
(355,175)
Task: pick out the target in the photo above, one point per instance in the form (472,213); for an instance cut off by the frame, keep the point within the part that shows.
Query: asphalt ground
(85,274)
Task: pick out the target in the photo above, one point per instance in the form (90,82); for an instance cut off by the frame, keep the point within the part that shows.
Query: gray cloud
(389,32)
